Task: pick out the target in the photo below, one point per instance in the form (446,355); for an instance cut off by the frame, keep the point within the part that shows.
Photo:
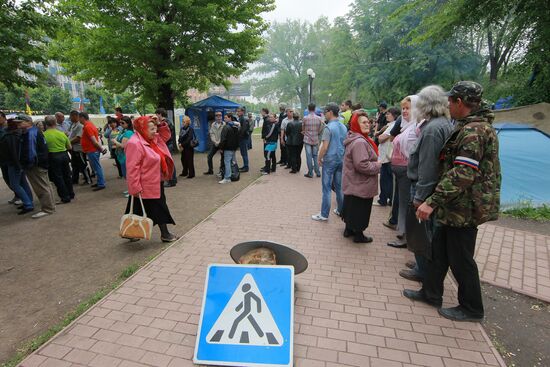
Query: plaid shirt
(312,126)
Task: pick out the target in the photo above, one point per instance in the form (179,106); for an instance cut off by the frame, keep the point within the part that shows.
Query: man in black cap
(467,195)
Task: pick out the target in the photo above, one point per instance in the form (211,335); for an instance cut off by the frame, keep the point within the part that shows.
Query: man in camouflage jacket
(467,195)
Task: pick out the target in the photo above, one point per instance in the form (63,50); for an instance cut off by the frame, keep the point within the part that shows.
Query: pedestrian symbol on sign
(242,324)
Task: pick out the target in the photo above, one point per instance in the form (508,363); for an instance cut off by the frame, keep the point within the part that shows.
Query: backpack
(235,174)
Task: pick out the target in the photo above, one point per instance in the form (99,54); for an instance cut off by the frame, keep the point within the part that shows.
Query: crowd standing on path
(434,161)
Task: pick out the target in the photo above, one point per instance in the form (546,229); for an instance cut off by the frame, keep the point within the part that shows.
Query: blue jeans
(228,156)
(332,175)
(311,155)
(19,185)
(243,145)
(96,166)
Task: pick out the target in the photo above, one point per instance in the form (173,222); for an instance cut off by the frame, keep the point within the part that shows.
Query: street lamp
(311,75)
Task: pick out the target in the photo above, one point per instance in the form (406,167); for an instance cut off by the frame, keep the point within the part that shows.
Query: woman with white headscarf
(404,138)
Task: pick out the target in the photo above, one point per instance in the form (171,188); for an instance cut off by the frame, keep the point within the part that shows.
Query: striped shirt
(312,126)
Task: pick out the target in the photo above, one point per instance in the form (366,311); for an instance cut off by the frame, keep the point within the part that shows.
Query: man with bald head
(62,124)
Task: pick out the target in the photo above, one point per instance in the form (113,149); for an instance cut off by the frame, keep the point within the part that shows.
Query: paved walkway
(515,259)
(349,308)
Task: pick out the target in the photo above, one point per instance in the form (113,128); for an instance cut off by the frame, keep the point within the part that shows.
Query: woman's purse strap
(142,206)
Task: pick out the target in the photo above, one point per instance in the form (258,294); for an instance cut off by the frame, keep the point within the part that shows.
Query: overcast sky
(309,10)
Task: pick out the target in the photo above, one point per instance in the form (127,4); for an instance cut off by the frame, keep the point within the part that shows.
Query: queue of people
(439,170)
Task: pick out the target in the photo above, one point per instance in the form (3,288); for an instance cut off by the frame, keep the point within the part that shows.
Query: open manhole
(262,253)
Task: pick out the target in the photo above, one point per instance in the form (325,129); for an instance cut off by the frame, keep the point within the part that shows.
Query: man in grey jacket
(215,134)
(423,167)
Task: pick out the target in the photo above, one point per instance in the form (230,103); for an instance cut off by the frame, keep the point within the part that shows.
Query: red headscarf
(354,126)
(141,125)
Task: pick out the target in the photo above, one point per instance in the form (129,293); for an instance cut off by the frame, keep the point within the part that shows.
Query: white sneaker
(17,202)
(335,211)
(319,218)
(224,181)
(39,215)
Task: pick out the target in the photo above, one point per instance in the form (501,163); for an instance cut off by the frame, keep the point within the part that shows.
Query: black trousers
(79,165)
(270,161)
(454,247)
(187,155)
(295,156)
(211,153)
(60,174)
(284,154)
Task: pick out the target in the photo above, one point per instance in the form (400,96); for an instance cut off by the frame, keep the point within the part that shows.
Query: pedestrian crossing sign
(247,316)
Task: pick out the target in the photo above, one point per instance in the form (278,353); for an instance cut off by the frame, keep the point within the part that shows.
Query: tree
(43,99)
(292,47)
(22,40)
(158,49)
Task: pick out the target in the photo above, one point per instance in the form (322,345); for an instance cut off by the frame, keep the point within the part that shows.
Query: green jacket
(468,192)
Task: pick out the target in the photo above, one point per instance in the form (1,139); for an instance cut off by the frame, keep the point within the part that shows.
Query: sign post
(247,316)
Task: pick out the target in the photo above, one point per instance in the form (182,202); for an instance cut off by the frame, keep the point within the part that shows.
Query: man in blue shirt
(331,156)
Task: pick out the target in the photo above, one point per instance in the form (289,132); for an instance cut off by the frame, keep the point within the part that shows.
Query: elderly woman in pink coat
(148,164)
(359,178)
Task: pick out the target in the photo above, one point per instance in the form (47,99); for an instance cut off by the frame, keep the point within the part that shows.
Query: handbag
(133,226)
(419,233)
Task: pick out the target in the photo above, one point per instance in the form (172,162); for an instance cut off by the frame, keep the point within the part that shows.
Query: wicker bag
(133,226)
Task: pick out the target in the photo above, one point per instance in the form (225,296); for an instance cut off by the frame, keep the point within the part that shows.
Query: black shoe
(191,176)
(170,238)
(458,314)
(318,174)
(348,233)
(410,264)
(397,244)
(208,173)
(243,169)
(308,175)
(94,185)
(182,175)
(420,297)
(362,239)
(410,275)
(25,211)
(293,171)
(381,203)
(99,188)
(287,167)
(20,206)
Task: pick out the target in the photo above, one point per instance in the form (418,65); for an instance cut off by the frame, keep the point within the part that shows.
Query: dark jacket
(34,136)
(244,129)
(293,133)
(10,146)
(270,131)
(185,137)
(230,137)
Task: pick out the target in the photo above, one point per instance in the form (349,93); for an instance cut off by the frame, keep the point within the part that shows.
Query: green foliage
(158,49)
(513,35)
(528,211)
(43,99)
(24,28)
(359,57)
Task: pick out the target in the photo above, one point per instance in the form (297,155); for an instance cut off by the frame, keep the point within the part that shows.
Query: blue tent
(198,113)
(523,152)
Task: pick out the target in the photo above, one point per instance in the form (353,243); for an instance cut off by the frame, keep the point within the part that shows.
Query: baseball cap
(467,91)
(333,107)
(22,117)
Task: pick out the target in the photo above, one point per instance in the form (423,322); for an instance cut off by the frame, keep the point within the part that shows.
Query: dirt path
(49,266)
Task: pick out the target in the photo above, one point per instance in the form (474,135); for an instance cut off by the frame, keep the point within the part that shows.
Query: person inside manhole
(248,295)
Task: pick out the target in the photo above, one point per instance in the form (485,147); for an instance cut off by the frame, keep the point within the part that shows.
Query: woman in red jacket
(359,177)
(148,163)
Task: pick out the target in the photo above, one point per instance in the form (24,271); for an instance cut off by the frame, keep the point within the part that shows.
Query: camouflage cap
(467,91)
